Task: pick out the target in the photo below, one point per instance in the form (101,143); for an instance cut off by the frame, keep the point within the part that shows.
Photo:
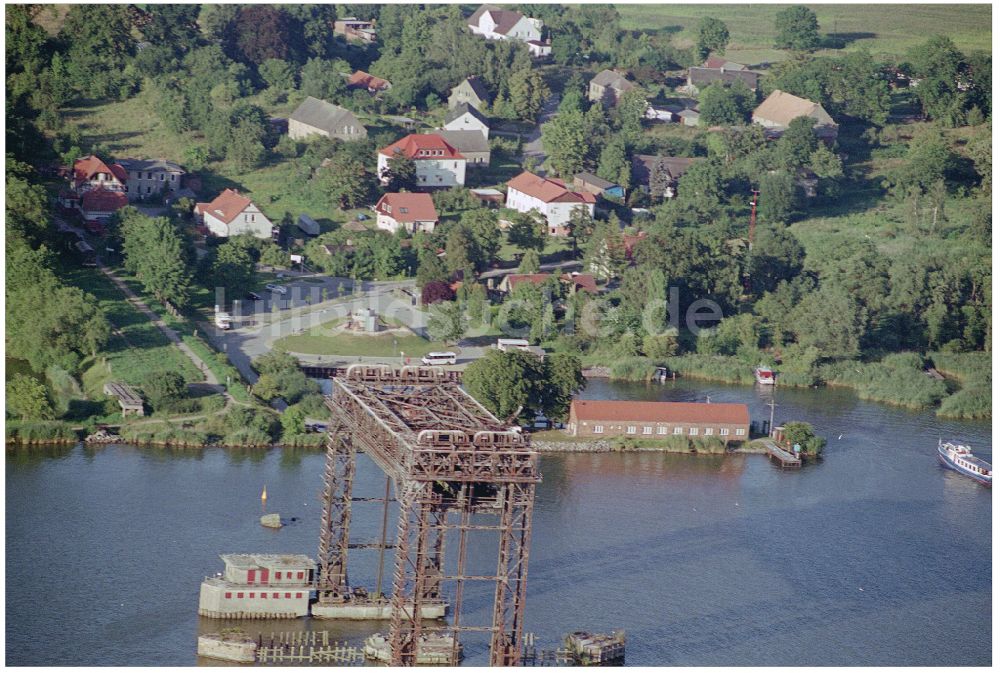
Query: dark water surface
(875,556)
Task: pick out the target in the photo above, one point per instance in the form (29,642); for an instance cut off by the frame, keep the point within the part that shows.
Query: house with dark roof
(150,177)
(645,165)
(370,83)
(588,182)
(354,28)
(608,87)
(495,23)
(472,145)
(550,198)
(700,77)
(658,420)
(470,90)
(780,108)
(231,214)
(717,62)
(464,117)
(409,211)
(438,163)
(318,117)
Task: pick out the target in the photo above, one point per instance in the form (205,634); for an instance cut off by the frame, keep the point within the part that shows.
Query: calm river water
(875,556)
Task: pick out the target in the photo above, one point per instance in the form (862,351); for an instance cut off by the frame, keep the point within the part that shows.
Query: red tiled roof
(664,412)
(86,167)
(407,207)
(225,207)
(362,79)
(583,281)
(630,241)
(515,279)
(103,201)
(421,146)
(549,190)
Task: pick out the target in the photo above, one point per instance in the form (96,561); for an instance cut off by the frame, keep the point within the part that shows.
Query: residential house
(549,197)
(658,420)
(90,172)
(438,163)
(465,117)
(700,77)
(487,197)
(470,90)
(608,87)
(718,62)
(231,214)
(472,145)
(307,225)
(588,182)
(573,281)
(780,108)
(409,211)
(540,49)
(370,83)
(356,29)
(643,167)
(494,23)
(97,205)
(689,117)
(318,117)
(150,177)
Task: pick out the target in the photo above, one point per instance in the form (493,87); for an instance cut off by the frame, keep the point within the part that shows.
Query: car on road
(445,358)
(253,296)
(280,289)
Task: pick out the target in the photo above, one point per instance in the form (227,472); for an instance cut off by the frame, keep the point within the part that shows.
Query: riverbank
(900,379)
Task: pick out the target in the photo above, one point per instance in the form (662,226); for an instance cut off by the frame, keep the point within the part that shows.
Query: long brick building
(651,420)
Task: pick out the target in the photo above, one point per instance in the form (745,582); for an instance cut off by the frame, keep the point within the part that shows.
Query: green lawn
(320,341)
(136,349)
(883,29)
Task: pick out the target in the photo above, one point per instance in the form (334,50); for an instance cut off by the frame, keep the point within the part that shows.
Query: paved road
(533,143)
(547,267)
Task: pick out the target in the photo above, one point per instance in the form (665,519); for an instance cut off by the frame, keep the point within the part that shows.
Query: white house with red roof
(406,210)
(495,23)
(231,214)
(90,172)
(438,163)
(549,197)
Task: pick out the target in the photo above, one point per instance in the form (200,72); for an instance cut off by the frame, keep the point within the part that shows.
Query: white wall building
(438,164)
(550,198)
(231,214)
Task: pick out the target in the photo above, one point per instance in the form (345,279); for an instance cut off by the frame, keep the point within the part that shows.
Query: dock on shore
(783,457)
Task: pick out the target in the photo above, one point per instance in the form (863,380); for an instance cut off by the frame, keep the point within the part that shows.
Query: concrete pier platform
(361,610)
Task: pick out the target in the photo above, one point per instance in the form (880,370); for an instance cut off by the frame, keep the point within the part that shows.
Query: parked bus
(446,358)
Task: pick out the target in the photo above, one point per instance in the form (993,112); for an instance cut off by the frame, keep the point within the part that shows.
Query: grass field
(882,29)
(320,341)
(136,347)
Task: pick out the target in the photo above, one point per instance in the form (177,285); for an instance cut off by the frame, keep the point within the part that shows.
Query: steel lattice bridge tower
(448,458)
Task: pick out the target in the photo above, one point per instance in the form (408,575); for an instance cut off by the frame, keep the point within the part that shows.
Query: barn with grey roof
(318,117)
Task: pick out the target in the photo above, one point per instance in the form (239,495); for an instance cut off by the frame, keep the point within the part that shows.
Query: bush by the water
(798,432)
(38,432)
(165,434)
(975,401)
(899,379)
(725,368)
(633,369)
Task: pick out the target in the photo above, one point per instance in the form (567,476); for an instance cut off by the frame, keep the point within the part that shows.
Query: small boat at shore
(959,457)
(764,375)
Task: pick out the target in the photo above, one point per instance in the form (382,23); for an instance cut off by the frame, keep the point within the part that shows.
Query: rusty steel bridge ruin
(455,469)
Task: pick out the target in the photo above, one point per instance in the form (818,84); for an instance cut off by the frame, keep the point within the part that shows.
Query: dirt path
(211,379)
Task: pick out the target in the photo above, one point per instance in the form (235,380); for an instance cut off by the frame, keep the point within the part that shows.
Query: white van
(446,358)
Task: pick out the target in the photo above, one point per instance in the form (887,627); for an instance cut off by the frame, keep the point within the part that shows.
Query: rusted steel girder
(449,458)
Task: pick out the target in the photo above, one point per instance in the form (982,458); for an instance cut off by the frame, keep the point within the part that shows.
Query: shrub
(633,369)
(798,432)
(39,432)
(163,388)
